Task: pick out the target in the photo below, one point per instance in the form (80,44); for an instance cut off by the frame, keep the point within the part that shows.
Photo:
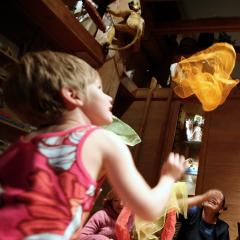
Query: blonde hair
(33,89)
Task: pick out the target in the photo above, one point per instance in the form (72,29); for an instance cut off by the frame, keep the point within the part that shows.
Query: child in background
(50,178)
(101,226)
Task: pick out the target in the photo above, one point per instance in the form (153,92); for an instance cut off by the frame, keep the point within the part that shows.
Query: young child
(101,226)
(50,178)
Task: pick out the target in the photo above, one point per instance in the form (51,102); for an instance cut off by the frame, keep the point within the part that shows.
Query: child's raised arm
(148,203)
(199,199)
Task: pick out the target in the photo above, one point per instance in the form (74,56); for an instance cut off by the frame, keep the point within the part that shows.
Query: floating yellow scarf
(207,75)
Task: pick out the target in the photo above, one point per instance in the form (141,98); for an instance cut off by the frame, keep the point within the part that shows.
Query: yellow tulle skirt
(207,75)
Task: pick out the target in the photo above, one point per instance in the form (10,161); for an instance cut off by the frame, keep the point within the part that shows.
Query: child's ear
(71,97)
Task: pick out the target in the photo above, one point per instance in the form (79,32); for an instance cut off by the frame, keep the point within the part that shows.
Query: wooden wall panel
(221,167)
(149,160)
(133,117)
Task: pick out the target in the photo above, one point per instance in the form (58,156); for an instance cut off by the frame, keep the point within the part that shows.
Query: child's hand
(174,166)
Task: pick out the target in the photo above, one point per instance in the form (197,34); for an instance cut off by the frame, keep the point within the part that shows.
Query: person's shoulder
(100,215)
(104,132)
(100,212)
(194,213)
(194,210)
(103,136)
(107,143)
(222,229)
(223,223)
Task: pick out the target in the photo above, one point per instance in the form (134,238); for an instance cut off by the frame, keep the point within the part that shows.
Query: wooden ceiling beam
(198,25)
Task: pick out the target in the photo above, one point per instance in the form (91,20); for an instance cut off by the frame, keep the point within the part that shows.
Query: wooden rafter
(198,25)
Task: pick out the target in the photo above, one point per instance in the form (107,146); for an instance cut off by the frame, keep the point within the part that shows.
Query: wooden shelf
(59,24)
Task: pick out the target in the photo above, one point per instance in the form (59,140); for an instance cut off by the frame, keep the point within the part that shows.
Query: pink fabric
(169,226)
(101,226)
(44,186)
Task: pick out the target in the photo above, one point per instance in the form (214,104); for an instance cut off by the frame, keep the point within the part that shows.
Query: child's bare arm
(146,202)
(196,200)
(199,199)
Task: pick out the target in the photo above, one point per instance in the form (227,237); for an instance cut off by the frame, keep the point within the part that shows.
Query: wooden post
(153,85)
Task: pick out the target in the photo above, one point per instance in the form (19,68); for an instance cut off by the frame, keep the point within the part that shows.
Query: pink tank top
(45,191)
